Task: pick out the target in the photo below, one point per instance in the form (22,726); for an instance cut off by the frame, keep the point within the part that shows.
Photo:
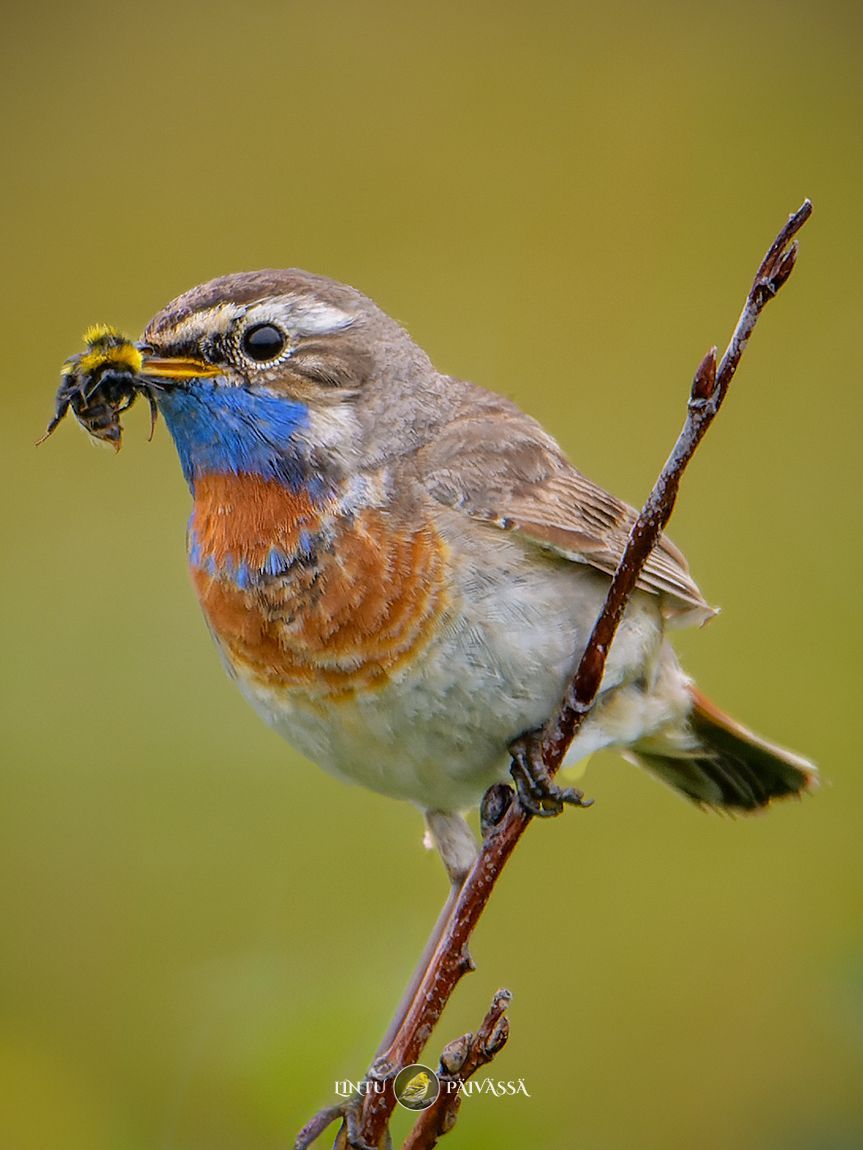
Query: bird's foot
(538,793)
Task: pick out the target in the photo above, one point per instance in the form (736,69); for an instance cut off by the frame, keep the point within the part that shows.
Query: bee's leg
(55,423)
(68,389)
(154,414)
(90,383)
(537,791)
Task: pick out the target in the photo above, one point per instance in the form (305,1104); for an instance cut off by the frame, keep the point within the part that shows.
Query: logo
(416,1087)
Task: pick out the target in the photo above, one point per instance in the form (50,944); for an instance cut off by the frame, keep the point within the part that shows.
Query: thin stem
(439,932)
(449,958)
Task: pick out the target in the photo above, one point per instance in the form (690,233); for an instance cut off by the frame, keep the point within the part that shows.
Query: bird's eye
(263,342)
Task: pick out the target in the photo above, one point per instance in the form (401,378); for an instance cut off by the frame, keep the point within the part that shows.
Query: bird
(401,568)
(417,1089)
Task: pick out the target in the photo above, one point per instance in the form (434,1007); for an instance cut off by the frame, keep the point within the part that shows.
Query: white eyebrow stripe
(313,317)
(298,315)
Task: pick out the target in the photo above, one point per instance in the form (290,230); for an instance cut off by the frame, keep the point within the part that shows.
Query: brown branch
(450,958)
(460,1060)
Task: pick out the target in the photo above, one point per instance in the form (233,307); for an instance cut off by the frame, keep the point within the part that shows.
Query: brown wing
(497,465)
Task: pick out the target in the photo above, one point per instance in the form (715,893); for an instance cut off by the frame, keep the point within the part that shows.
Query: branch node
(381,1069)
(455,1053)
(460,1059)
(495,803)
(786,265)
(704,383)
(466,963)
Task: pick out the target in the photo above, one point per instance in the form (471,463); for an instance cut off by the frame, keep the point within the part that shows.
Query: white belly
(437,732)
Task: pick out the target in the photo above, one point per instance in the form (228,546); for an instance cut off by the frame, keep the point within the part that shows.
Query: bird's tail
(717,762)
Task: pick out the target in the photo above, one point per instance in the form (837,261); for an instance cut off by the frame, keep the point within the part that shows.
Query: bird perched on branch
(401,569)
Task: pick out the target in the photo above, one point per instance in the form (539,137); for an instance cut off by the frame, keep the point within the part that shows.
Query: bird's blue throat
(231,430)
(223,430)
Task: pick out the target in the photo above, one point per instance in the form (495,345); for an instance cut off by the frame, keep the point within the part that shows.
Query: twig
(460,1060)
(450,959)
(709,389)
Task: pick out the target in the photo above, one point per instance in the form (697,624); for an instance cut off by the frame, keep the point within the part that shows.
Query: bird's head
(265,373)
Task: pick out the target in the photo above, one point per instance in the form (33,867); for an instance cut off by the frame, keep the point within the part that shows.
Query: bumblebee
(102,382)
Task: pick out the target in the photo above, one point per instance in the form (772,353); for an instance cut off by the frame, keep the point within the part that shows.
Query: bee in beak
(105,379)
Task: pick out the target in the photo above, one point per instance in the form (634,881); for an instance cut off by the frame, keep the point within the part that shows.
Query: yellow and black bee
(100,383)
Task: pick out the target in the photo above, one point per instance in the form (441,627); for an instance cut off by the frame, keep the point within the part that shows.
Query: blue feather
(196,554)
(220,428)
(276,562)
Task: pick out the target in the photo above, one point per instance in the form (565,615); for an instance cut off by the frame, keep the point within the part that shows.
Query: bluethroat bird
(400,569)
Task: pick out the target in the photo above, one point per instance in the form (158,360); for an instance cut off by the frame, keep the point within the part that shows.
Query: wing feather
(497,465)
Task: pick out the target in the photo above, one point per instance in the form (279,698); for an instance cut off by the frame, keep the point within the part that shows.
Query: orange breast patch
(362,603)
(242,518)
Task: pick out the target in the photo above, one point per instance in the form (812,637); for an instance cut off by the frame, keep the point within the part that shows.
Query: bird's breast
(303,595)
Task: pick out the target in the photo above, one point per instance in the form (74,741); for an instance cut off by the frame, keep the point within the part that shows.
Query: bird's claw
(537,792)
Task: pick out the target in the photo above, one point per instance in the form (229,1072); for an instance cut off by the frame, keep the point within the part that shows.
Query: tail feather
(720,763)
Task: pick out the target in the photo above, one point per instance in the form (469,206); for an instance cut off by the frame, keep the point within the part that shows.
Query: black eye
(263,342)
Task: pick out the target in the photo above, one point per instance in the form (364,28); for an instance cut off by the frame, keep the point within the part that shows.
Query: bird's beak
(174,367)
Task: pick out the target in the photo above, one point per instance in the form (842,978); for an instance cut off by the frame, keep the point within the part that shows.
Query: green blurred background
(566,203)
